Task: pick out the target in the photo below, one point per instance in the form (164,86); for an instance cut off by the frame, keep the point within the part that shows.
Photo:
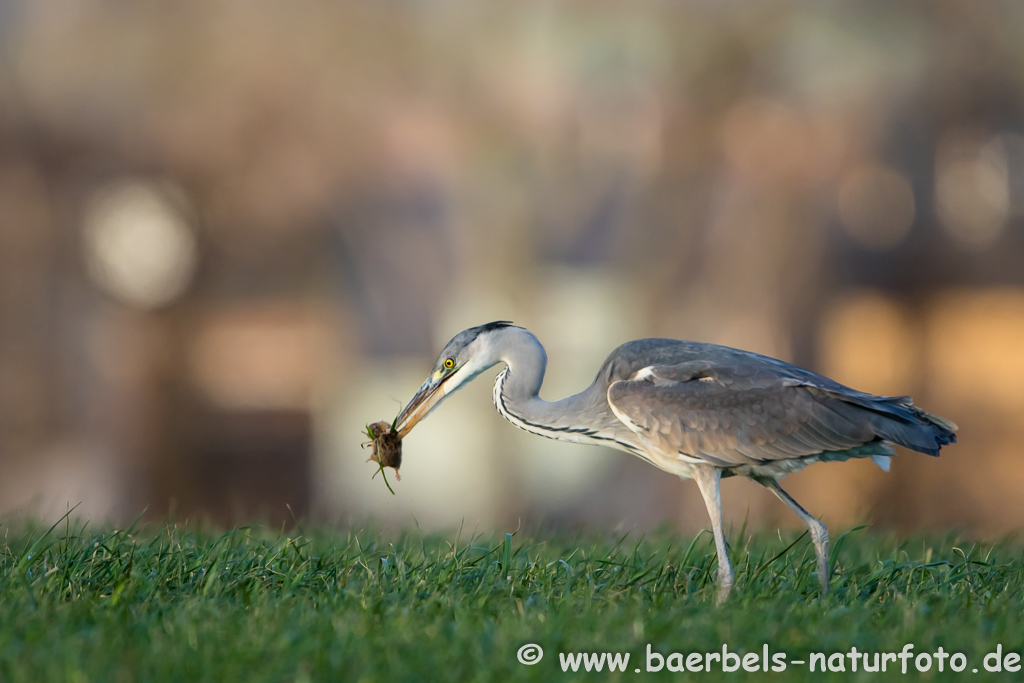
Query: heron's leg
(819,534)
(708,481)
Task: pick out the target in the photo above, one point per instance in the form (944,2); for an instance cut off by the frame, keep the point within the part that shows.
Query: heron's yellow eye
(449,363)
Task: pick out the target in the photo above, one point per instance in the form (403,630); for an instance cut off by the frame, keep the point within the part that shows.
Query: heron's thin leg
(708,480)
(819,534)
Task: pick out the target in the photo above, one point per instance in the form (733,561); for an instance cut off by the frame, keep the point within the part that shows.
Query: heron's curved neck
(517,389)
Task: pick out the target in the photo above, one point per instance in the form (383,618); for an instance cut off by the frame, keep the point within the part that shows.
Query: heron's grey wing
(743,414)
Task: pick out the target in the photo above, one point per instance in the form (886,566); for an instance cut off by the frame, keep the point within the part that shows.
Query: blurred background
(232,233)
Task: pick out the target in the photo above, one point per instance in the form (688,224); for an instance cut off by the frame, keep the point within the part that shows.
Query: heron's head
(469,353)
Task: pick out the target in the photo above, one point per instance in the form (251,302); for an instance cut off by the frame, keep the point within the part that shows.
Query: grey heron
(700,411)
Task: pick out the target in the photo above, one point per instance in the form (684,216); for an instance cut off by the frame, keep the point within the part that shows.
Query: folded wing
(753,413)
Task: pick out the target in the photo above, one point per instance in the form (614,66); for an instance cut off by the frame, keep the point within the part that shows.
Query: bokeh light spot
(876,206)
(972,192)
(138,246)
(866,341)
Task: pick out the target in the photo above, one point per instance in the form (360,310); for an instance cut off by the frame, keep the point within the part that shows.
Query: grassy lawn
(252,604)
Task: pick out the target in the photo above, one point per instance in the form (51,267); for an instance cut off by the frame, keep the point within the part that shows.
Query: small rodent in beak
(386,446)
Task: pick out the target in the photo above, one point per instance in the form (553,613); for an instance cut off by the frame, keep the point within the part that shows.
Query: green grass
(181,604)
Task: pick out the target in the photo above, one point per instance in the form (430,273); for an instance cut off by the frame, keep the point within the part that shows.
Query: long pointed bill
(429,395)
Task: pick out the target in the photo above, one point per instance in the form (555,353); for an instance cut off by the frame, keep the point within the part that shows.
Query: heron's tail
(898,420)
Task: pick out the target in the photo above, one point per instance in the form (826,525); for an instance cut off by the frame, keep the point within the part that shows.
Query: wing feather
(746,414)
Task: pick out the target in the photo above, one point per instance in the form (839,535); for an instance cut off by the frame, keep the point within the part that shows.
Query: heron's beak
(429,395)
